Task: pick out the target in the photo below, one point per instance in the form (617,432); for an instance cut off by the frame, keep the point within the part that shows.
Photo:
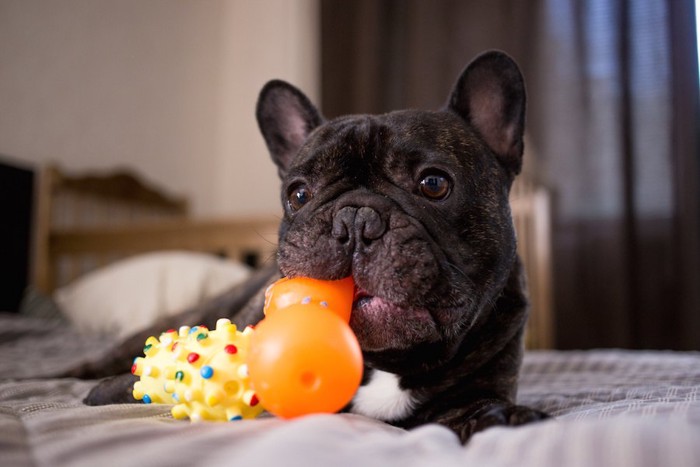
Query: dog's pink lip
(382,325)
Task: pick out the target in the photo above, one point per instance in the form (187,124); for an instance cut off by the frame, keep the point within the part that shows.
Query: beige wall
(167,87)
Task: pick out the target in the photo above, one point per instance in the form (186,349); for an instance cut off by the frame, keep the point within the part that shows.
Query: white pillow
(131,294)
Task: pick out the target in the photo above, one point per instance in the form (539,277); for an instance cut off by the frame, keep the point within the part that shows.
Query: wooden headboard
(87,221)
(531,207)
(84,222)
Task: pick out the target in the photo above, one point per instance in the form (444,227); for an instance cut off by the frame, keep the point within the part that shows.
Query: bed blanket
(610,408)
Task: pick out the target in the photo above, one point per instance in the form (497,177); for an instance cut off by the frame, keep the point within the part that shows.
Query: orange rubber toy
(304,358)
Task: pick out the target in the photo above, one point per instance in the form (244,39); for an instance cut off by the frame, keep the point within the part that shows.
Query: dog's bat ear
(490,95)
(285,117)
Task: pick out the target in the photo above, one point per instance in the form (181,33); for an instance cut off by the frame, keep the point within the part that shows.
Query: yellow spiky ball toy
(203,372)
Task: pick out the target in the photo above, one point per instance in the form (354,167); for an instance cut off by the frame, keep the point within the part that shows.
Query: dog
(414,206)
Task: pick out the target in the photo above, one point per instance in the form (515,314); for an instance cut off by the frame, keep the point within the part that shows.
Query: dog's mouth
(360,297)
(380,324)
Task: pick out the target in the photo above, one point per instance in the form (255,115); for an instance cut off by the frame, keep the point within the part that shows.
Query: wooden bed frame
(87,221)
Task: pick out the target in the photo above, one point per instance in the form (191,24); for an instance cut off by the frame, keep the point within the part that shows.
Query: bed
(610,407)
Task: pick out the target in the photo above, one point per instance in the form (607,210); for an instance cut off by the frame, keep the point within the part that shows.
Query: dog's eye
(298,197)
(435,186)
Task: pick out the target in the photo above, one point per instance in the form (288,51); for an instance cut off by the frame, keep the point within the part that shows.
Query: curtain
(612,130)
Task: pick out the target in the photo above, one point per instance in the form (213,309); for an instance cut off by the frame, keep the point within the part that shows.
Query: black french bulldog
(414,205)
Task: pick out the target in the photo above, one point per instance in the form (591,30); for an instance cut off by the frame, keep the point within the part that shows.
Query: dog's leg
(486,413)
(113,390)
(242,304)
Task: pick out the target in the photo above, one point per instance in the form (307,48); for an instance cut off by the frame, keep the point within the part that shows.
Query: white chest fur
(382,398)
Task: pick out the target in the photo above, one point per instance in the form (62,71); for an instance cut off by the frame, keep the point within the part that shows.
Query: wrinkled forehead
(411,127)
(377,140)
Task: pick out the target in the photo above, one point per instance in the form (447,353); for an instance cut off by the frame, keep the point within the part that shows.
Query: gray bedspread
(611,408)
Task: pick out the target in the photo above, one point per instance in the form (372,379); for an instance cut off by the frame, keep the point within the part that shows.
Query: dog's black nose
(362,224)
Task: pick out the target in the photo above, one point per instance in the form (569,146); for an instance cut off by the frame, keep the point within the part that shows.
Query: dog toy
(202,372)
(302,358)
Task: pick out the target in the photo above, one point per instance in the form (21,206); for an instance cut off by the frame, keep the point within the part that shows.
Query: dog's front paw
(491,413)
(113,390)
(504,415)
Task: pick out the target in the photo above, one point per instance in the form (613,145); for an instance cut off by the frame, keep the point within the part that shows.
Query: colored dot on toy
(306,300)
(146,348)
(146,399)
(235,418)
(231,349)
(201,336)
(192,357)
(206,372)
(179,375)
(324,304)
(133,368)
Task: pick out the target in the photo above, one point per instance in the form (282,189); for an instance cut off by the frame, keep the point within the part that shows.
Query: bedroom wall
(165,87)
